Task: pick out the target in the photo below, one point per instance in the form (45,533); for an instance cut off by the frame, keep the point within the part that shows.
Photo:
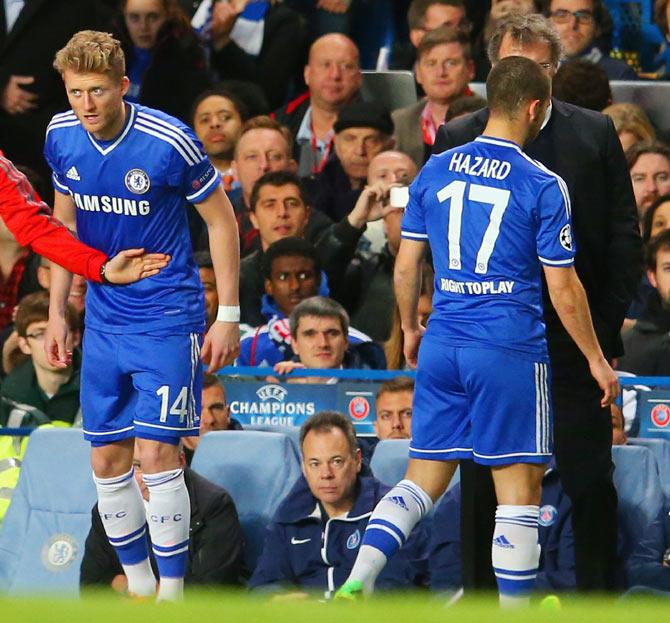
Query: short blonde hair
(94,52)
(628,117)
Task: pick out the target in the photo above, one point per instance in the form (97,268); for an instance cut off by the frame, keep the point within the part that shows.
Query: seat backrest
(637,482)
(257,468)
(389,462)
(292,432)
(660,448)
(393,89)
(44,531)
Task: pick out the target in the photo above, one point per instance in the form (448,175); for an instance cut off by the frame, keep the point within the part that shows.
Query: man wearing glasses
(580,146)
(580,23)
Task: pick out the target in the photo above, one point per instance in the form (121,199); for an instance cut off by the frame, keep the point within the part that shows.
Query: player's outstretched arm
(56,334)
(569,300)
(407,285)
(222,342)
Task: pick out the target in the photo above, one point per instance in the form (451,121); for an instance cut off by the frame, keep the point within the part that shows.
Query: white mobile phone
(399,196)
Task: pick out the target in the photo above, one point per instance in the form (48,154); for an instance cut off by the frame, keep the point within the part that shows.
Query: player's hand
(333,6)
(222,345)
(224,16)
(607,380)
(56,342)
(16,100)
(132,265)
(412,340)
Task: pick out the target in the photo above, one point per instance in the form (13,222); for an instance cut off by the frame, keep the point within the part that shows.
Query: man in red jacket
(30,220)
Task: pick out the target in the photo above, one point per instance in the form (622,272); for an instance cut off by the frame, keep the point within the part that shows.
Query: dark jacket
(652,325)
(42,28)
(291,116)
(331,190)
(216,545)
(582,147)
(335,245)
(279,62)
(21,386)
(557,558)
(307,549)
(644,567)
(177,73)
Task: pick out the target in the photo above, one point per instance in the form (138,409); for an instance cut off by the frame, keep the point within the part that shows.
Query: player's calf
(169,521)
(123,516)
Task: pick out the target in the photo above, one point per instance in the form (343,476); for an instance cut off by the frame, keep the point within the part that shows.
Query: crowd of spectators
(274,92)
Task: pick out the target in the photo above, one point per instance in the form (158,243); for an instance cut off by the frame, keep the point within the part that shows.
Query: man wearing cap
(362,130)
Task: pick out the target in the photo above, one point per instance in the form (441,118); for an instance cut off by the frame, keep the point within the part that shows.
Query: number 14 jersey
(491,215)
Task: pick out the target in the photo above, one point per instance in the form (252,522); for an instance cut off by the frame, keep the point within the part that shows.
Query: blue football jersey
(131,192)
(491,215)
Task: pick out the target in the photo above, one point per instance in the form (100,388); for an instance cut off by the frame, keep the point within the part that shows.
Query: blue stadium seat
(257,468)
(389,461)
(292,432)
(661,450)
(43,535)
(638,484)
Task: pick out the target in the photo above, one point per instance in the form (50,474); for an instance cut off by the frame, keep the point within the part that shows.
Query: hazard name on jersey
(111,205)
(476,287)
(479,165)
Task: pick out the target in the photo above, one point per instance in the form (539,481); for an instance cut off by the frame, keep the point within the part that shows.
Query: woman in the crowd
(164,60)
(631,123)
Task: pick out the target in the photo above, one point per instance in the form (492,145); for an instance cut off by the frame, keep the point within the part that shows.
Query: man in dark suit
(582,147)
(31,91)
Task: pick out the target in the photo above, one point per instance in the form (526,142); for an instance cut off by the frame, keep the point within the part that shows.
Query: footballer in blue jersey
(495,220)
(123,176)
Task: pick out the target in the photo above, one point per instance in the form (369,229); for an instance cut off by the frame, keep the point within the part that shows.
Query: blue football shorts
(146,385)
(489,405)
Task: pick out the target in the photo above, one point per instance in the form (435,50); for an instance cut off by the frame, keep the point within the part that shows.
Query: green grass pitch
(225,607)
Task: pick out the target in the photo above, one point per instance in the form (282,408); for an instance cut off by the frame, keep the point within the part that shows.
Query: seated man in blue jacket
(292,273)
(312,542)
(557,558)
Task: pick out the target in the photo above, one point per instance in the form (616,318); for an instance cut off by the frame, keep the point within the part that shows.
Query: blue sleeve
(273,570)
(555,244)
(190,169)
(57,175)
(445,544)
(413,221)
(645,566)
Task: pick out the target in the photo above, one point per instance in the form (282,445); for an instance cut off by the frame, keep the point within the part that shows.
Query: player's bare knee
(157,456)
(432,476)
(113,459)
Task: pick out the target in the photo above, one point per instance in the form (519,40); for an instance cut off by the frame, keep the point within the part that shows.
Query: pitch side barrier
(257,402)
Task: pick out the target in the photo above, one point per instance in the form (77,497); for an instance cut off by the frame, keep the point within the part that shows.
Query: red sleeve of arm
(32,224)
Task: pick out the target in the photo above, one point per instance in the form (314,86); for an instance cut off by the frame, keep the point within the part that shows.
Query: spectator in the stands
(653,322)
(582,83)
(649,166)
(203,260)
(279,208)
(362,130)
(299,555)
(393,408)
(422,17)
(368,292)
(619,436)
(662,19)
(217,116)
(319,338)
(36,384)
(580,23)
(444,67)
(333,77)
(631,123)
(215,547)
(214,414)
(292,273)
(262,42)
(164,60)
